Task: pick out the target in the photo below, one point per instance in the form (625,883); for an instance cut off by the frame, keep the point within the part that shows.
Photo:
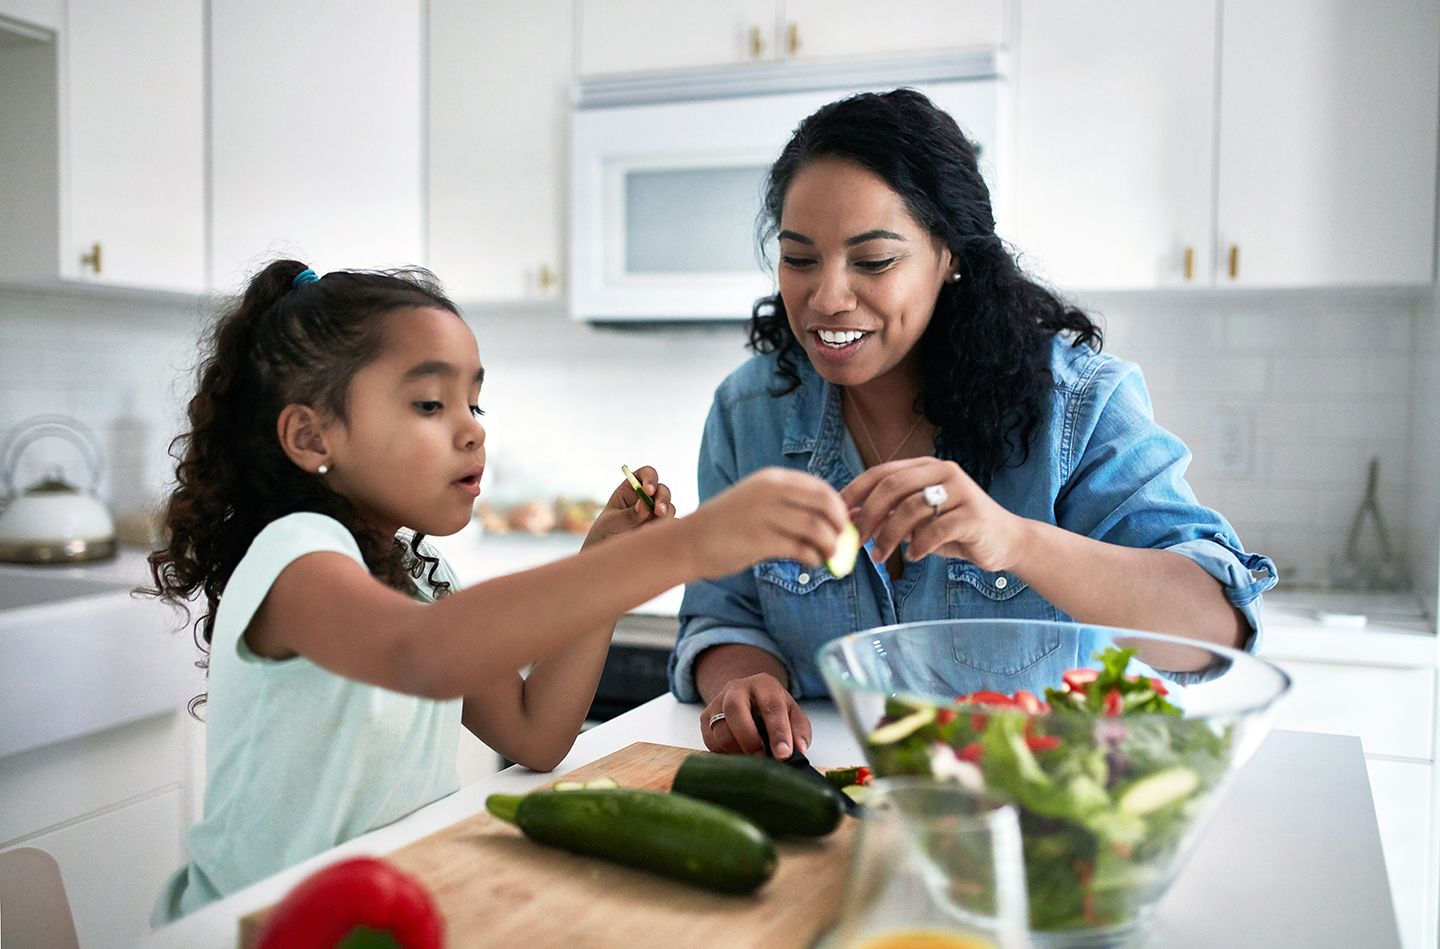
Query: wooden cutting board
(496,888)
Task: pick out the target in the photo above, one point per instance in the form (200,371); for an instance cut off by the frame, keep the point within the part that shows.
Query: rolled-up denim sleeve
(726,610)
(1126,486)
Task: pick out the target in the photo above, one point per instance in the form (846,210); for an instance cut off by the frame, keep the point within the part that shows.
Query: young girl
(331,413)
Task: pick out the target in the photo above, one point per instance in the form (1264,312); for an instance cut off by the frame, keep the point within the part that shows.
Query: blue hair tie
(303,277)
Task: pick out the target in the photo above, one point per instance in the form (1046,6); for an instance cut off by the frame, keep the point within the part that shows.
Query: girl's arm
(329,609)
(534,719)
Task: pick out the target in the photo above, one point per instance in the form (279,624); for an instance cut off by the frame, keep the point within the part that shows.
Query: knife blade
(797,759)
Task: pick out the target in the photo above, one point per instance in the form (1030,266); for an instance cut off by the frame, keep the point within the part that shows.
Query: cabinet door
(1113,139)
(825,28)
(318,133)
(617,36)
(114,865)
(133,143)
(497,162)
(1401,791)
(1327,142)
(29,13)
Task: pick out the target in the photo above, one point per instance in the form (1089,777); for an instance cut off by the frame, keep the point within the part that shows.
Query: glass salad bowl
(1113,745)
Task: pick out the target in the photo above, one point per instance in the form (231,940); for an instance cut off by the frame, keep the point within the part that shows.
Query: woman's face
(858,274)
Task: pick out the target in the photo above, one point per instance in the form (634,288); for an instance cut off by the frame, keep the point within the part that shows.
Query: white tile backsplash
(1325,384)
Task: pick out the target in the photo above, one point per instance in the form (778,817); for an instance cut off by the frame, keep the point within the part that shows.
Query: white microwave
(667,174)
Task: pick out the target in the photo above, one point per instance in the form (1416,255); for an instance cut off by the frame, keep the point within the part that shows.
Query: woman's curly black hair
(278,344)
(983,360)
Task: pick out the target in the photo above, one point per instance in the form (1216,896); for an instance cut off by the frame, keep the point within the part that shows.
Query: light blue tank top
(300,759)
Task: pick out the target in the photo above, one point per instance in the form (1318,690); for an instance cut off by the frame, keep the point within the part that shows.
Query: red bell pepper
(363,899)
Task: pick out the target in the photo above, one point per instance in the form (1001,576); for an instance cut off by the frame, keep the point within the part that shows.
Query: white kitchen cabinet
(317,135)
(499,110)
(1234,143)
(1390,705)
(1114,133)
(618,36)
(106,163)
(112,809)
(26,14)
(1401,790)
(1327,142)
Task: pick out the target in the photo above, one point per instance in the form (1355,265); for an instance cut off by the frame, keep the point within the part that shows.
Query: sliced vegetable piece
(1155,791)
(847,547)
(903,727)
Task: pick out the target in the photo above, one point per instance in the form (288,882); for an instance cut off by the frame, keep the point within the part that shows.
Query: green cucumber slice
(903,727)
(847,547)
(1157,790)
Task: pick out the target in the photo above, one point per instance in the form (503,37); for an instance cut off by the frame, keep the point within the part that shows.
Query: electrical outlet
(1232,443)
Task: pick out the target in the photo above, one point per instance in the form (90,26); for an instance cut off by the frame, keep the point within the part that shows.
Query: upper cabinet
(619,36)
(317,135)
(1236,143)
(29,14)
(1327,142)
(499,108)
(104,151)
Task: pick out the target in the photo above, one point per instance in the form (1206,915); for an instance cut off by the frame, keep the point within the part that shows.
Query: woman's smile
(838,345)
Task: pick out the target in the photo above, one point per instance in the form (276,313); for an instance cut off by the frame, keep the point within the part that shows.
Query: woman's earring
(323,469)
(955,277)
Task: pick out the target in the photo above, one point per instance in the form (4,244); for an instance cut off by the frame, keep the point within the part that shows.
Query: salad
(1106,774)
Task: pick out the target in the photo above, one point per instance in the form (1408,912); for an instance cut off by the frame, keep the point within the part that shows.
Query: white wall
(1323,382)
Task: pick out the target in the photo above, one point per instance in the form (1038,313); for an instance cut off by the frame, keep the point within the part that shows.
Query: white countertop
(1291,858)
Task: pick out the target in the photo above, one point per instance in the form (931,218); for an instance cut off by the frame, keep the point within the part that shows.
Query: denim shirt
(1098,465)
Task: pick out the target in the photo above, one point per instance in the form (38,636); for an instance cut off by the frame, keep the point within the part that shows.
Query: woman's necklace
(871,438)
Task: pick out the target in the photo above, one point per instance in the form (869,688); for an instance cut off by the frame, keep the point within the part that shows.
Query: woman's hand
(969,524)
(626,509)
(773,513)
(743,701)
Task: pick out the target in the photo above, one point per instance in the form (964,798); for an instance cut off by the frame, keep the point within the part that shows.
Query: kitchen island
(1291,858)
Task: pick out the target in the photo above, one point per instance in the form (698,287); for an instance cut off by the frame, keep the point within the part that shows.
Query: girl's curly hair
(278,344)
(983,360)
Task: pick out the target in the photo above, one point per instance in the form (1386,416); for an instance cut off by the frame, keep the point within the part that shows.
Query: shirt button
(1001,583)
(804,578)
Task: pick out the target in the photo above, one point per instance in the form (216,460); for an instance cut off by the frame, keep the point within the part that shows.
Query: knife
(797,759)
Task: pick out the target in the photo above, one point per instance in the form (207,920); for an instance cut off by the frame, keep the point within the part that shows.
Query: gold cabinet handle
(546,279)
(792,39)
(757,43)
(1189,263)
(1234,261)
(92,259)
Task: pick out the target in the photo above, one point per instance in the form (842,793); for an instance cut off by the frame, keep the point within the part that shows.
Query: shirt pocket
(973,593)
(804,606)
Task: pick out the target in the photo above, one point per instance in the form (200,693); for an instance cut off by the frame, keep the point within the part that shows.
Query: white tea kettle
(52,521)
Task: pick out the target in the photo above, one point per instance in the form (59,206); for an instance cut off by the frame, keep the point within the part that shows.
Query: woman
(996,463)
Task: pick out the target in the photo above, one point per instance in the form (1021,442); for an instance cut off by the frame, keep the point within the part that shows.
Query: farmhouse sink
(79,654)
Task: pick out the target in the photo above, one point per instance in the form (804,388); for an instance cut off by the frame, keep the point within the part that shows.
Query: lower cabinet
(1392,710)
(112,809)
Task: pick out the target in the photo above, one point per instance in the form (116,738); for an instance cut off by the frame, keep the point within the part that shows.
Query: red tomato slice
(1076,679)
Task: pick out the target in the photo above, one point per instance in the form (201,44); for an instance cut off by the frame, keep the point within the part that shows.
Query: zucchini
(775,796)
(668,834)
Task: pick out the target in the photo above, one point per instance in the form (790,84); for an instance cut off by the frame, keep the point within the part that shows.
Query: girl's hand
(773,513)
(626,509)
(969,525)
(743,700)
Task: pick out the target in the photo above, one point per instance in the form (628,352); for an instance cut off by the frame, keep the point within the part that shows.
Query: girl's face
(411,449)
(858,274)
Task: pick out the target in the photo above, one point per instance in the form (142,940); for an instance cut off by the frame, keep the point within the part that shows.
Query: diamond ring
(935,495)
(717,717)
